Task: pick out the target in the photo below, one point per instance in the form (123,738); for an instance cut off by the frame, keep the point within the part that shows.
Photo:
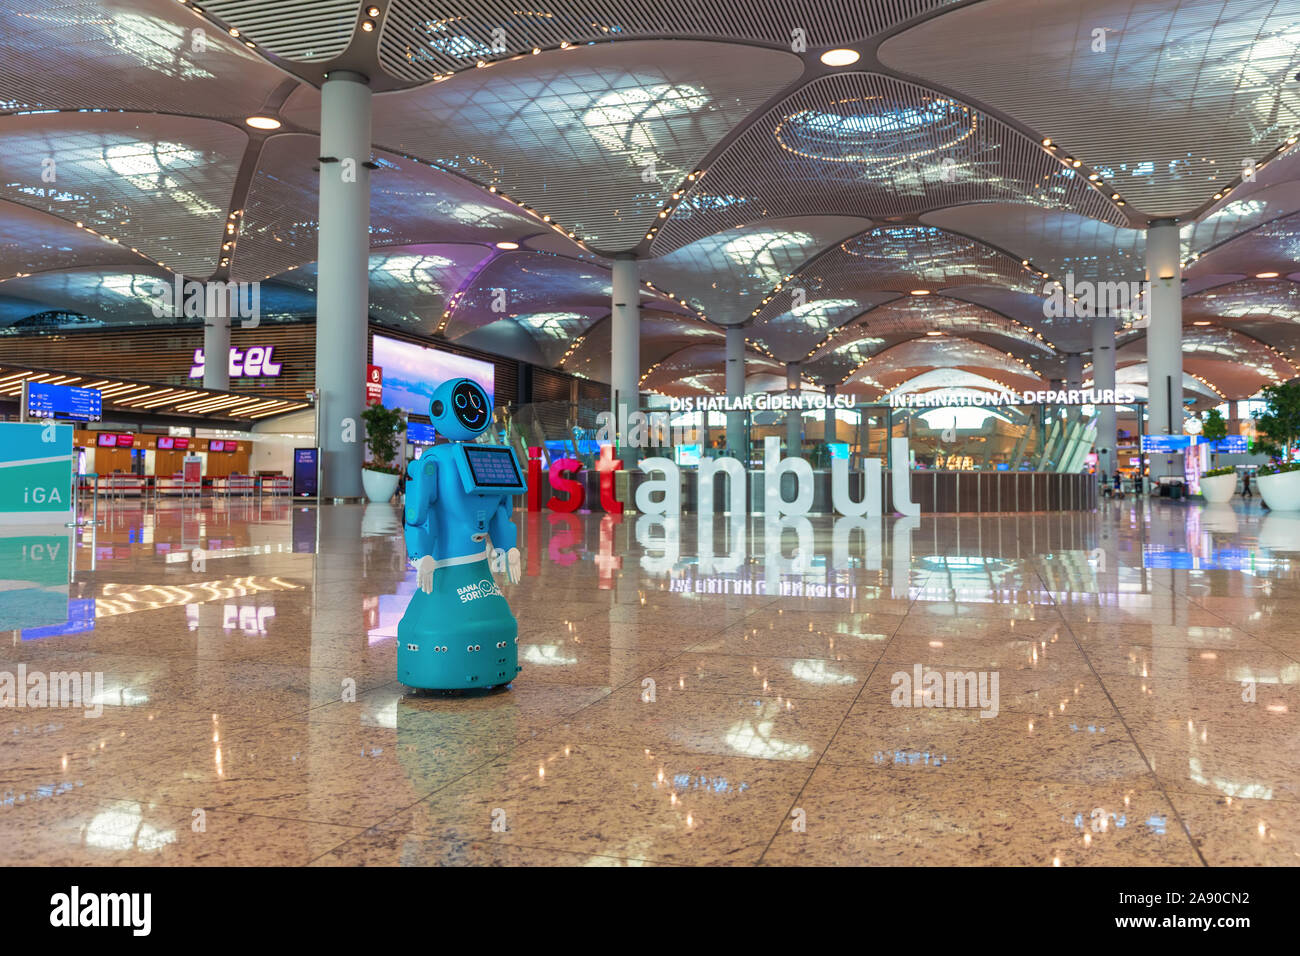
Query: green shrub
(382,426)
(1215,472)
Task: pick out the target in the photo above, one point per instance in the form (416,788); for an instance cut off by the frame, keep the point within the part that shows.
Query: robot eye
(460,399)
(475,401)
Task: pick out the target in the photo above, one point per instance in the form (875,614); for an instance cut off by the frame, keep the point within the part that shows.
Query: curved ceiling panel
(890,367)
(409,203)
(147,55)
(700,369)
(1236,218)
(784,329)
(939,378)
(546,290)
(421,39)
(1268,311)
(875,147)
(1273,247)
(662,334)
(724,275)
(164,191)
(1052,240)
(105,296)
(34,241)
(1127,86)
(596,137)
(409,285)
(308,31)
(1135,376)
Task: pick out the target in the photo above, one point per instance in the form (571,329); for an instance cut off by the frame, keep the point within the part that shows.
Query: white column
(1165,341)
(343,286)
(625,341)
(793,417)
(735,387)
(216,352)
(1103,378)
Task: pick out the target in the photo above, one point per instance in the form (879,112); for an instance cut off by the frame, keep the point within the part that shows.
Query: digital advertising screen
(166,444)
(106,441)
(412,372)
(304,472)
(125,441)
(217,446)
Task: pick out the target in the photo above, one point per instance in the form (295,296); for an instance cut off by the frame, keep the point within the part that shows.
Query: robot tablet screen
(494,468)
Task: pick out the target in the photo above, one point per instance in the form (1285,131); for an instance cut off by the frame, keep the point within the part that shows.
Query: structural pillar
(793,416)
(216,352)
(1165,341)
(1074,371)
(625,343)
(1103,379)
(343,286)
(736,389)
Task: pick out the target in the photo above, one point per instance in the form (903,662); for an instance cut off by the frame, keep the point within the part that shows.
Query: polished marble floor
(732,694)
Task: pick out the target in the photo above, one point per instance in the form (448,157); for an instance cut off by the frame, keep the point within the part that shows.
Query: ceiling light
(840,57)
(263,122)
(1265,275)
(934,333)
(507,245)
(367,25)
(1201,323)
(920,292)
(372,11)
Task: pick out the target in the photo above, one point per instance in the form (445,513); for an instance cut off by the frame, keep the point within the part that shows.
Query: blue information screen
(55,401)
(1232,445)
(493,467)
(1159,444)
(418,433)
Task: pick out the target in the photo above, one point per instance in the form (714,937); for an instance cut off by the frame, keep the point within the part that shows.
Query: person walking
(1245,485)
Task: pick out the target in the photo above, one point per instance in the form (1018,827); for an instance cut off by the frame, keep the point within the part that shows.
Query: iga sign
(256,362)
(374,385)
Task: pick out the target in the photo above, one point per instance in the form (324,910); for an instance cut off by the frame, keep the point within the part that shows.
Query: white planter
(1281,492)
(380,486)
(1279,532)
(1219,488)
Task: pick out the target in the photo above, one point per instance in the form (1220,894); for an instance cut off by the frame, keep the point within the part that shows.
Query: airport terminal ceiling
(900,210)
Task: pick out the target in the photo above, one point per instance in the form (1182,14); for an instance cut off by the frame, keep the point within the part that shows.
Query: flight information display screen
(54,401)
(493,467)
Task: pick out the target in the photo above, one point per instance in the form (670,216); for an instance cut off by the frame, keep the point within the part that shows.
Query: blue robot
(458,632)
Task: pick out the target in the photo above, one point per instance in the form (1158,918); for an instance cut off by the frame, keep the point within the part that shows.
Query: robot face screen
(470,405)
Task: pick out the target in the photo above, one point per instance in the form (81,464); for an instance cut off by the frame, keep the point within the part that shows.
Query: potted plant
(1214,429)
(380,476)
(1219,485)
(1279,483)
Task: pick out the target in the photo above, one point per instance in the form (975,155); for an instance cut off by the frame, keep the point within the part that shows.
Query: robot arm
(501,527)
(421,519)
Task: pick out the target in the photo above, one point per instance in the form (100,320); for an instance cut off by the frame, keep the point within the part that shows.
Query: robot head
(460,409)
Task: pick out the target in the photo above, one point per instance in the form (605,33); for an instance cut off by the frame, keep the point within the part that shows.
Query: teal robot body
(458,632)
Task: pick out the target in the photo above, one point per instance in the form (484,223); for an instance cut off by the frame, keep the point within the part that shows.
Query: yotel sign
(661,491)
(256,362)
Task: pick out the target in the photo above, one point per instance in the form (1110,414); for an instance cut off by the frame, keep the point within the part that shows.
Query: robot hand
(424,573)
(514,566)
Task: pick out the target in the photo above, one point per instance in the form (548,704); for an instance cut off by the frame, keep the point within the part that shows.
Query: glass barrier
(1042,437)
